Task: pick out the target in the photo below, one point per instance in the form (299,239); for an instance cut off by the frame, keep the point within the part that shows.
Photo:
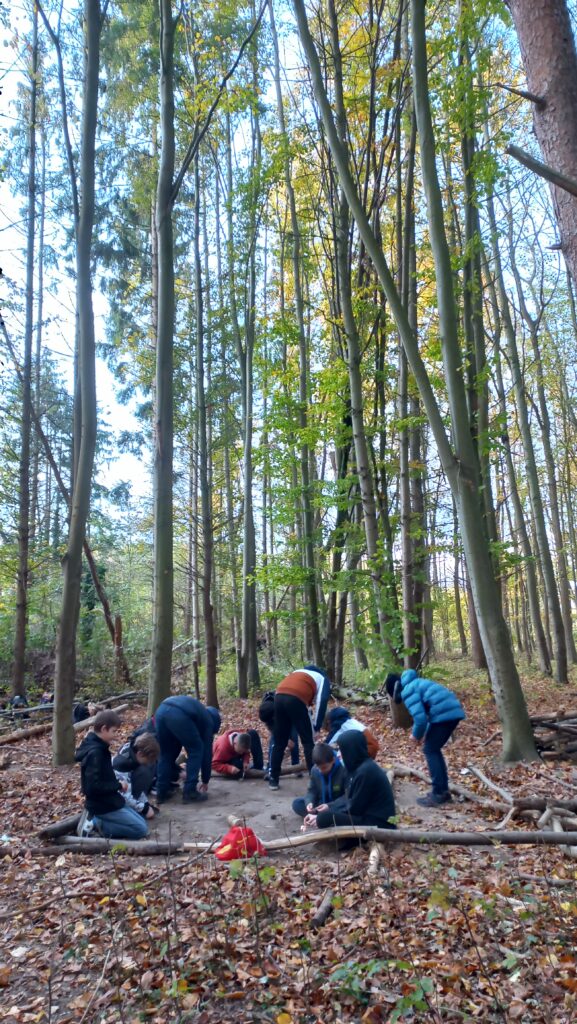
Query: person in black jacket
(104,803)
(370,799)
(185,722)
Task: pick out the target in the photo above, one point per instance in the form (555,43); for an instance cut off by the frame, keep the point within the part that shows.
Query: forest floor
(438,934)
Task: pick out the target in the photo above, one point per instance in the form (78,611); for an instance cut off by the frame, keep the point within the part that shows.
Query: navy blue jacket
(324,789)
(428,702)
(203,720)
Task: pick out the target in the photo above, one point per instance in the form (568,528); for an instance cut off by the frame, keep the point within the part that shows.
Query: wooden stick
(491,785)
(259,773)
(377,835)
(469,794)
(492,737)
(324,910)
(36,730)
(540,803)
(543,170)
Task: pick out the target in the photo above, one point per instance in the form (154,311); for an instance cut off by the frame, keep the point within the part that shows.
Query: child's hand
(310,808)
(321,807)
(234,770)
(291,744)
(310,821)
(124,787)
(417,739)
(150,812)
(202,787)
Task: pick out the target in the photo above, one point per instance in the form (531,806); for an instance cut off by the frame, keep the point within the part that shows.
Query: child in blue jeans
(105,807)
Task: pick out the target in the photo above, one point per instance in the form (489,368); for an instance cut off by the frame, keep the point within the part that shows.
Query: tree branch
(543,170)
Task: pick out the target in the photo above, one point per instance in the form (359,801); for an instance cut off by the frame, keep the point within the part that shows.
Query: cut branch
(543,170)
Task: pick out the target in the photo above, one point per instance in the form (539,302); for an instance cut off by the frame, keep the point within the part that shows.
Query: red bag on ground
(238,844)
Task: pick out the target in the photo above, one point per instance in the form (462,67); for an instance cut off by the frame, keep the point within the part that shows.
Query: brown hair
(243,740)
(323,753)
(147,745)
(107,720)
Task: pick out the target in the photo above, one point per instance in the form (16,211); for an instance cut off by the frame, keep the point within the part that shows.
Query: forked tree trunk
(459,466)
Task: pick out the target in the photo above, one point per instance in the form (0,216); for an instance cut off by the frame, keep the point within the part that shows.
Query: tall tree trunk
(163,577)
(63,735)
(203,460)
(549,56)
(306,490)
(19,666)
(459,466)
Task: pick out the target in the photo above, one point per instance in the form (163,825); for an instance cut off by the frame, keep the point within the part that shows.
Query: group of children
(346,785)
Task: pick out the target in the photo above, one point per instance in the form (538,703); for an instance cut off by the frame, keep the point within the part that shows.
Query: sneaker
(434,800)
(194,798)
(85,826)
(266,776)
(273,784)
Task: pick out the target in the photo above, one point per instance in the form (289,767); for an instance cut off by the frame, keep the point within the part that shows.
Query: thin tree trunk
(203,460)
(22,579)
(65,669)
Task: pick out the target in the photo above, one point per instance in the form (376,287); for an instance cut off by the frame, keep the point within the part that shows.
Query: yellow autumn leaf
(141,899)
(284,1018)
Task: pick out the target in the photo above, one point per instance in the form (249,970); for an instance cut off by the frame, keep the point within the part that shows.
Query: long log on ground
(469,794)
(36,730)
(540,803)
(553,716)
(60,828)
(377,835)
(259,773)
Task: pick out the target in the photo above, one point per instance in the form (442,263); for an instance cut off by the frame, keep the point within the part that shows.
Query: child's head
(106,725)
(323,757)
(146,748)
(241,743)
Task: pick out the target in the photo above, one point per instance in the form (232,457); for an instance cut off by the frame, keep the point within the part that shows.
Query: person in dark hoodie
(185,722)
(369,799)
(105,808)
(327,784)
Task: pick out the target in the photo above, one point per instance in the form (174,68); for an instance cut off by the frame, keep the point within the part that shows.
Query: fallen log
(60,828)
(541,803)
(36,730)
(469,794)
(378,835)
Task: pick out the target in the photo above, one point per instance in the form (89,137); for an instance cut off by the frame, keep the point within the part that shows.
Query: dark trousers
(295,752)
(290,712)
(175,730)
(437,735)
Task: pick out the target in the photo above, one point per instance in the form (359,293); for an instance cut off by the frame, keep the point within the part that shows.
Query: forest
(319,256)
(288,337)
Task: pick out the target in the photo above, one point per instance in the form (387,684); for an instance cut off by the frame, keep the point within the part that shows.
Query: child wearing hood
(340,721)
(436,713)
(105,807)
(369,800)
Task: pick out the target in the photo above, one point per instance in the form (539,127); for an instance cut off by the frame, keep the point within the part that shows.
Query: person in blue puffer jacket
(436,714)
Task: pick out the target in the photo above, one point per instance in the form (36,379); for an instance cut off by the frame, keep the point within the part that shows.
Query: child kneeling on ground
(369,799)
(233,751)
(105,807)
(136,765)
(327,783)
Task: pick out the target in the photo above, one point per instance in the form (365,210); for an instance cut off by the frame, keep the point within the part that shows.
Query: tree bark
(548,50)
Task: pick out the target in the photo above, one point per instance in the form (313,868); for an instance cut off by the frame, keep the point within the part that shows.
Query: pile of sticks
(556,735)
